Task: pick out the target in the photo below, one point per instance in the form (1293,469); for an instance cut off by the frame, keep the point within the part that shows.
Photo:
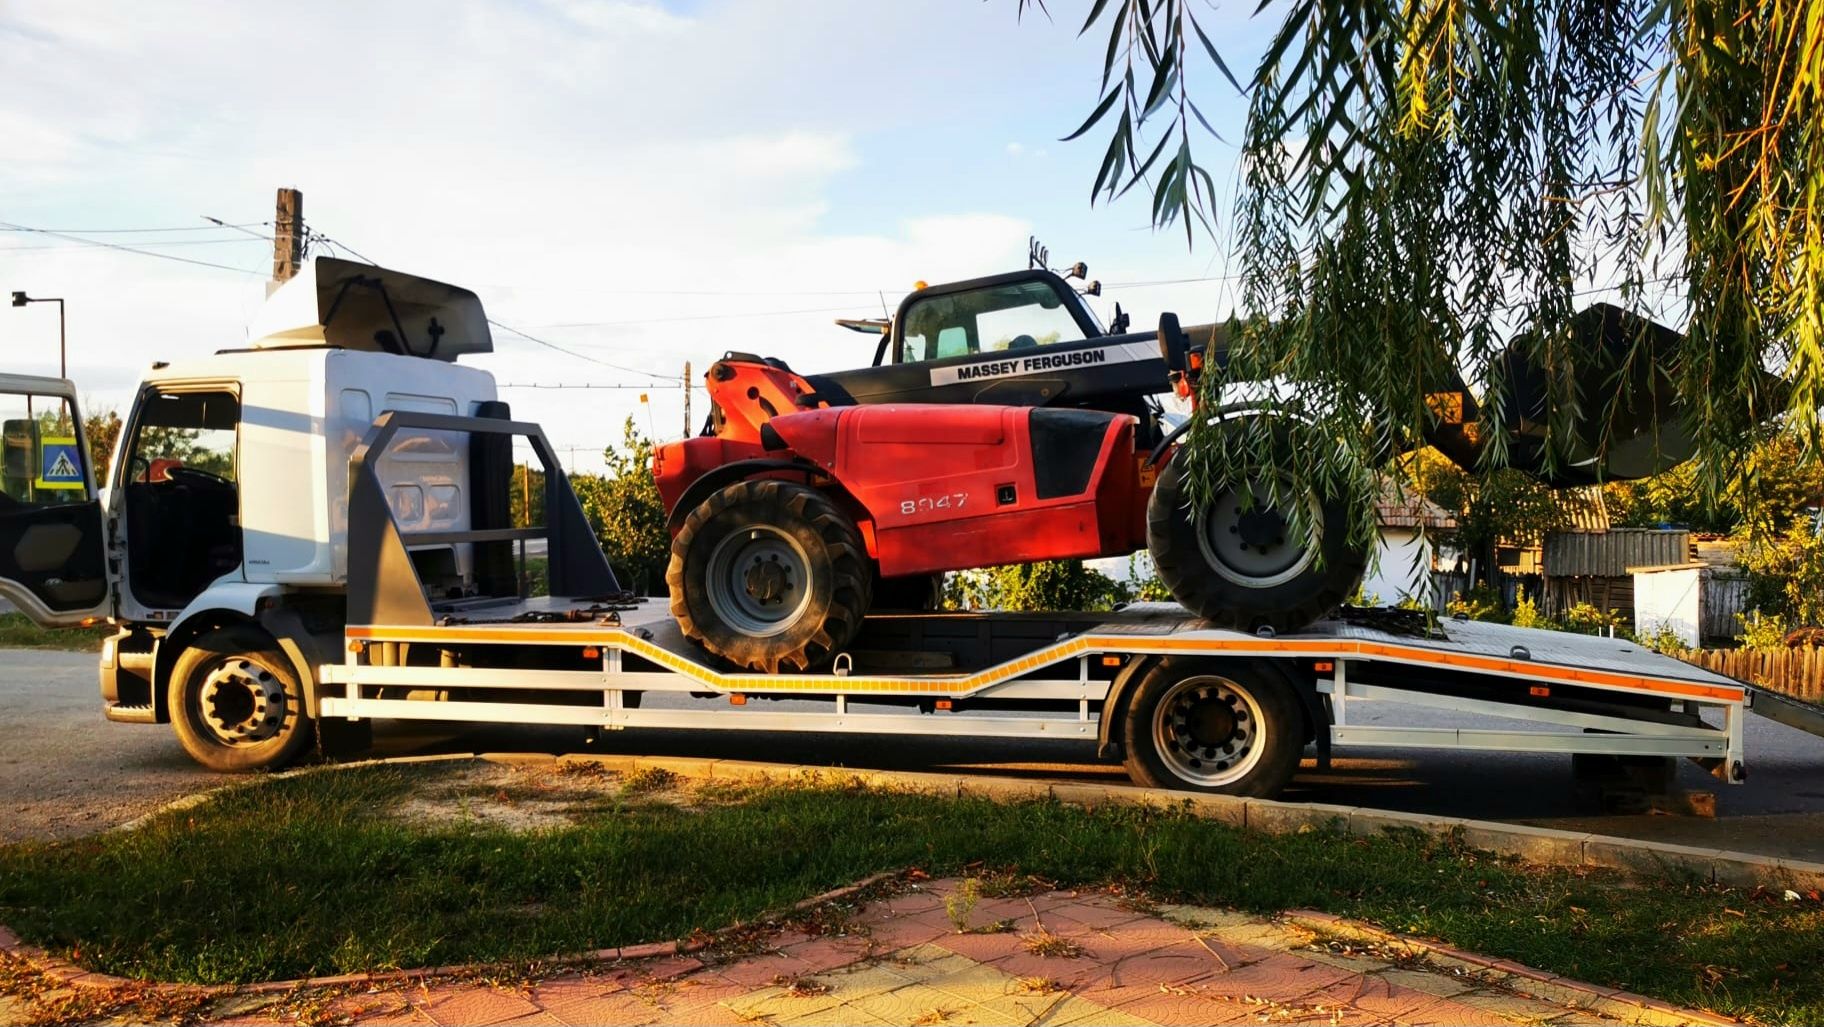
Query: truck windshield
(1022,315)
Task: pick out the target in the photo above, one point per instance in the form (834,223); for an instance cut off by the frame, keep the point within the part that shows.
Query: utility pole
(687,399)
(288,236)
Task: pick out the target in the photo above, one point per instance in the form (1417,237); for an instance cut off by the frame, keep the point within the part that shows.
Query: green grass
(307,875)
(18,632)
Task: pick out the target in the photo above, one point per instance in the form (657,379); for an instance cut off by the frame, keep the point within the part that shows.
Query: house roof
(1407,509)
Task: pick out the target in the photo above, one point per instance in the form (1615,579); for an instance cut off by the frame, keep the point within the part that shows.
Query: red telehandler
(1002,424)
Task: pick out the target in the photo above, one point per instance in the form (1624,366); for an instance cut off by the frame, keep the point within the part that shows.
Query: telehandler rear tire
(1244,568)
(769,575)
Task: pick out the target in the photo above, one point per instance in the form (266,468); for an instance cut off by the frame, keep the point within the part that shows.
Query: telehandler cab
(1002,424)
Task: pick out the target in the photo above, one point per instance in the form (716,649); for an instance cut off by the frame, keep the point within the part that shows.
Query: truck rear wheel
(1214,726)
(768,575)
(1240,565)
(236,703)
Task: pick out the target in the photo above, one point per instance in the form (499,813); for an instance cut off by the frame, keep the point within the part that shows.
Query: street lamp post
(63,361)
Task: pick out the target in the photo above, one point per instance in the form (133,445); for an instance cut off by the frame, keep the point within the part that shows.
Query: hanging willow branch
(1426,182)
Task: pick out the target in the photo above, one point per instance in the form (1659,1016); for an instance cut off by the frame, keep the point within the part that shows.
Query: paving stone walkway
(1056,958)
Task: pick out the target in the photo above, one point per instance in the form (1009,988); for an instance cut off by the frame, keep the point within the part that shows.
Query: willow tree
(1421,182)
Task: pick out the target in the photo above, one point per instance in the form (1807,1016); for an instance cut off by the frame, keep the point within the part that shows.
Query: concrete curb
(1540,845)
(1505,973)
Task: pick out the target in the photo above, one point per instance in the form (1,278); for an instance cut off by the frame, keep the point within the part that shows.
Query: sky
(645,183)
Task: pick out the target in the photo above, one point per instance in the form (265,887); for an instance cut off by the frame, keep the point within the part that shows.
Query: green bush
(1479,603)
(1762,633)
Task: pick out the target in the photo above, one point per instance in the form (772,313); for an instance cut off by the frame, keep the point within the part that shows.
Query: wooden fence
(1795,672)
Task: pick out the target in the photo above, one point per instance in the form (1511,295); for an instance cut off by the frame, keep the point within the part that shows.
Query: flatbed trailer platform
(1182,704)
(1070,676)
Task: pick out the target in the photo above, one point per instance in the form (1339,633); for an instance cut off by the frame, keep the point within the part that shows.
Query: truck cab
(221,527)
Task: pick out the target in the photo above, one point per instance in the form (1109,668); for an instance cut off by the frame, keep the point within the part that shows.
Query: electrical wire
(696,317)
(129,231)
(646,386)
(171,242)
(337,244)
(125,249)
(568,352)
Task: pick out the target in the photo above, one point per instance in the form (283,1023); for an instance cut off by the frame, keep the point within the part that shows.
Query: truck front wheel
(236,703)
(1214,726)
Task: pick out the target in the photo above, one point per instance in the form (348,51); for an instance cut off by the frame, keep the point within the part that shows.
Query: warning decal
(60,464)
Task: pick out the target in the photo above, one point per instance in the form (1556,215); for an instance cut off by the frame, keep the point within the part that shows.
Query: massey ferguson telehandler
(1002,424)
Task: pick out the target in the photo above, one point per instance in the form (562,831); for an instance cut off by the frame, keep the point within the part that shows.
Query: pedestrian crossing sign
(60,464)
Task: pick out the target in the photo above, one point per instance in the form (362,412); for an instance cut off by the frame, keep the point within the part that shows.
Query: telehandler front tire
(1244,567)
(769,575)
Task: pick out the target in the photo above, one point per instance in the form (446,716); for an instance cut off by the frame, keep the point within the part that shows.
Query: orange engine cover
(953,487)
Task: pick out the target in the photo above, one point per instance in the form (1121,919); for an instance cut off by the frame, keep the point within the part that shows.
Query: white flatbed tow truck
(309,534)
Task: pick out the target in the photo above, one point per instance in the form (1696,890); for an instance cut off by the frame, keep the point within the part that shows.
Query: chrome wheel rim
(1254,545)
(1208,731)
(759,580)
(242,702)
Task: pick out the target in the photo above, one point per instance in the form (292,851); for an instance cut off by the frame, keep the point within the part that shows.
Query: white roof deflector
(363,307)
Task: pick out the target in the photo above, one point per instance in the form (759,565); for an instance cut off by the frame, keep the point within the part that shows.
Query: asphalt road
(65,771)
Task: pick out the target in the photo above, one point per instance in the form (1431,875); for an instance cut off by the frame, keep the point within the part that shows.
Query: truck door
(53,561)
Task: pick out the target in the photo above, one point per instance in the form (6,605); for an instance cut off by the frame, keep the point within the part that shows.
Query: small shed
(1699,602)
(1595,567)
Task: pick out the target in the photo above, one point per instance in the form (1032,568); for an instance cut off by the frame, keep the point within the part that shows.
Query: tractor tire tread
(849,578)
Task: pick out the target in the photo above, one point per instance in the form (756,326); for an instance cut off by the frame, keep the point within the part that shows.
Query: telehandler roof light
(920,286)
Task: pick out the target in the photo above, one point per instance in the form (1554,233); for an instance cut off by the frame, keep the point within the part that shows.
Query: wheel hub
(243,702)
(768,582)
(1249,541)
(758,580)
(1207,731)
(1261,527)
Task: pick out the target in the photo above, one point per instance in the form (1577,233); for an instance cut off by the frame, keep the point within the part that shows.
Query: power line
(334,244)
(696,317)
(125,249)
(563,350)
(648,386)
(130,231)
(170,242)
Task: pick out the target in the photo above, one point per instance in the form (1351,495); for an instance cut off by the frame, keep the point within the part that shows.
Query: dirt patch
(535,796)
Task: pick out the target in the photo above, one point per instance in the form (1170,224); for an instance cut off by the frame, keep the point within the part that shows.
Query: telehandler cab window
(1022,315)
(182,505)
(42,462)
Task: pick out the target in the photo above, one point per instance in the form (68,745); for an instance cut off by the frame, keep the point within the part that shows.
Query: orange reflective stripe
(600,635)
